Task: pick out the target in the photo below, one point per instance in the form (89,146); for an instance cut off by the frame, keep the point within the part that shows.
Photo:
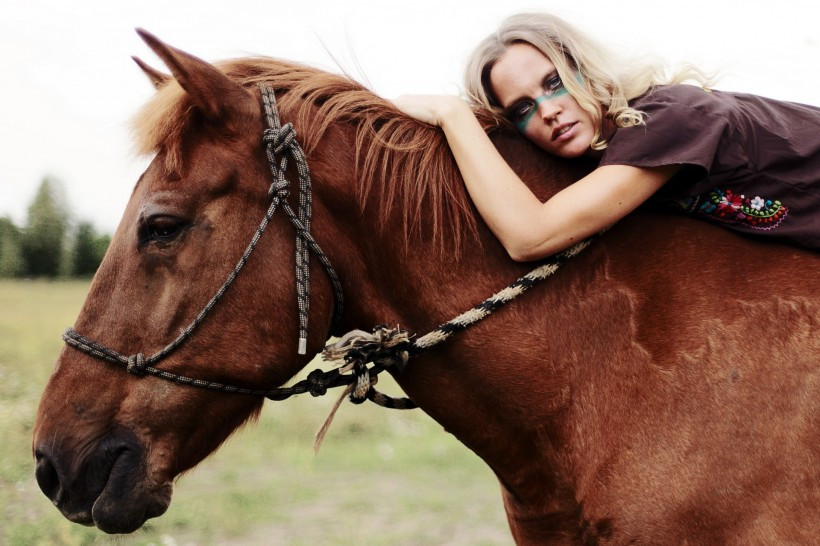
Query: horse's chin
(127,501)
(113,515)
(117,515)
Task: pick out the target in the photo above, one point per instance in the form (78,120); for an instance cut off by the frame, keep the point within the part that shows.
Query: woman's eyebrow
(518,99)
(513,102)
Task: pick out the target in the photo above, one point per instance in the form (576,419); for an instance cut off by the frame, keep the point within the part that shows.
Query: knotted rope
(280,141)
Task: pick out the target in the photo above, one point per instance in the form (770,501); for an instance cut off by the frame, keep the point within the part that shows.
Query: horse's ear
(158,79)
(209,89)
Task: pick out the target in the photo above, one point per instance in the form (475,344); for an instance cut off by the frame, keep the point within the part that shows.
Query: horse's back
(723,383)
(701,278)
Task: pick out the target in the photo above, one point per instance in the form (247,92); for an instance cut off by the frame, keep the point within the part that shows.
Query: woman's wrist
(450,111)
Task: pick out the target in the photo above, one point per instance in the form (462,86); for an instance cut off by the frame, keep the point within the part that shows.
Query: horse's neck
(472,383)
(426,280)
(489,385)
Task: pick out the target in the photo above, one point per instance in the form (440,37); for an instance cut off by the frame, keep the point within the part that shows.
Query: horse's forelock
(406,162)
(161,123)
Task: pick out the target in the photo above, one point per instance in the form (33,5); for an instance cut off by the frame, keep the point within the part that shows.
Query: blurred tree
(45,232)
(11,257)
(89,249)
(101,243)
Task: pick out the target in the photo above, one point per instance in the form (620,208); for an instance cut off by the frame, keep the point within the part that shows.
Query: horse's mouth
(111,491)
(128,499)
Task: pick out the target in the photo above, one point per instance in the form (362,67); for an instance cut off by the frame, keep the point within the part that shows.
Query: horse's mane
(407,162)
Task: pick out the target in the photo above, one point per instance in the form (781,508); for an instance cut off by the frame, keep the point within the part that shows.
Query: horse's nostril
(47,477)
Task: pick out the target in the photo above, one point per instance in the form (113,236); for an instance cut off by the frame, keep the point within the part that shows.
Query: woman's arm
(527,228)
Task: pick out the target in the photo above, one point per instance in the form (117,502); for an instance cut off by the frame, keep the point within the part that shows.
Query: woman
(747,162)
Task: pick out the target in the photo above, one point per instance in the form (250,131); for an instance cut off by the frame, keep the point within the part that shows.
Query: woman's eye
(553,84)
(520,110)
(160,229)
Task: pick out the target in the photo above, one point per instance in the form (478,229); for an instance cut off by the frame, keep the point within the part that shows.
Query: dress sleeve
(682,127)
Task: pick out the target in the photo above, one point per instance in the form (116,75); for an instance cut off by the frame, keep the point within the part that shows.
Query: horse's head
(109,443)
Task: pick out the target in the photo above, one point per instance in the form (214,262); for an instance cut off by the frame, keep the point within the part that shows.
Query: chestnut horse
(662,387)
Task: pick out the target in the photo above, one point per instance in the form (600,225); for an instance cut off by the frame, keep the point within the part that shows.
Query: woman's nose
(549,109)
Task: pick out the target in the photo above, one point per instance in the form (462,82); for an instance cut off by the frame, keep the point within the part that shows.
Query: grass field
(382,477)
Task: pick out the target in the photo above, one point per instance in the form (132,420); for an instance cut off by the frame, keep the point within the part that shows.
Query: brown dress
(749,163)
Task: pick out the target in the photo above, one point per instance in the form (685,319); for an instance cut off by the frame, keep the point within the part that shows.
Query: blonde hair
(601,84)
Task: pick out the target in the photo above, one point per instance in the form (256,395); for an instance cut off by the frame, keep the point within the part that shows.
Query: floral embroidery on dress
(728,207)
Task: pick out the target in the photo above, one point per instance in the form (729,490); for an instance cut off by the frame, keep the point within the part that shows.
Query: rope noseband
(382,348)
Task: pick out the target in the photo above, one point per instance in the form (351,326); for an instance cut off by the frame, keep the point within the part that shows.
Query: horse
(662,387)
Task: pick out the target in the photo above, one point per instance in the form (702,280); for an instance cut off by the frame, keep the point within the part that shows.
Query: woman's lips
(563,131)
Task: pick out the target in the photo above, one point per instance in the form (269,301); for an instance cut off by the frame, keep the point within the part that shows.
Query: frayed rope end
(320,434)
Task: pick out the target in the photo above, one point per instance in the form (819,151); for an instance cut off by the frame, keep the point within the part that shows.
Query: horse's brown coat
(661,388)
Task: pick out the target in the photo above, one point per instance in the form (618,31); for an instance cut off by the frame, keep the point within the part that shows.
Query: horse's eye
(160,229)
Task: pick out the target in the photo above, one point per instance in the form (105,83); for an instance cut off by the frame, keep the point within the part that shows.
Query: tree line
(49,245)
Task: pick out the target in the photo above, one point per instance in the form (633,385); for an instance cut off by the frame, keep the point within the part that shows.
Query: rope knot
(317,383)
(136,364)
(387,345)
(363,383)
(280,188)
(281,139)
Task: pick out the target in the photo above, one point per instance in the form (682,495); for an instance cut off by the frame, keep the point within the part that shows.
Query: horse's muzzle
(106,487)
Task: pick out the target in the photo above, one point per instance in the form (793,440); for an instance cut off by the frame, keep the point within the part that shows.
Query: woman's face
(535,100)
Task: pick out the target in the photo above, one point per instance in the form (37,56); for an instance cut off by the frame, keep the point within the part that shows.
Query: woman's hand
(432,109)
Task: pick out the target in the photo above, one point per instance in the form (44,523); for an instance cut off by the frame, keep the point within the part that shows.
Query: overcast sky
(69,87)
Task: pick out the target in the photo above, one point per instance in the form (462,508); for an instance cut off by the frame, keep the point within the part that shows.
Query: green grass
(382,477)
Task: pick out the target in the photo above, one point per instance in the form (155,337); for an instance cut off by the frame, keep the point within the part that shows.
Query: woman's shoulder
(682,125)
(677,92)
(726,104)
(684,96)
